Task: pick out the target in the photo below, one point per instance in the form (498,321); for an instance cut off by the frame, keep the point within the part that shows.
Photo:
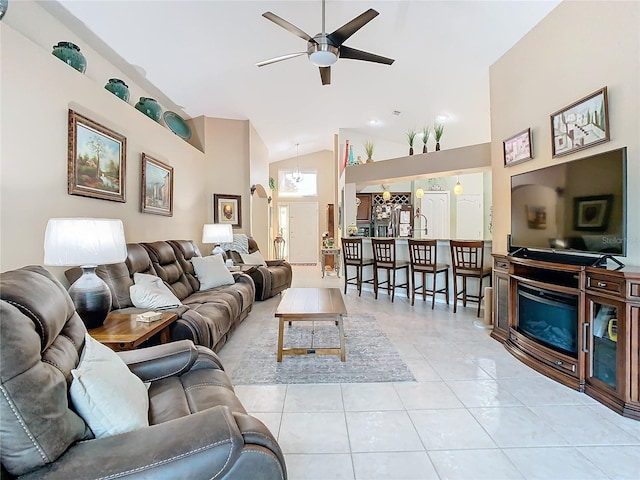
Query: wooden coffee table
(121,331)
(310,304)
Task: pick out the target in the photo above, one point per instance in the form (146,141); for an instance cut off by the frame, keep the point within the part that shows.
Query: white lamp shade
(84,241)
(217,233)
(457,189)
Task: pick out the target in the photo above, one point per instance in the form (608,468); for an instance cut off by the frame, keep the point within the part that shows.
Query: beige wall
(37,90)
(577,49)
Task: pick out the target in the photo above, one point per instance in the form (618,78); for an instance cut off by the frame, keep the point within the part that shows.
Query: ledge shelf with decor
(576,324)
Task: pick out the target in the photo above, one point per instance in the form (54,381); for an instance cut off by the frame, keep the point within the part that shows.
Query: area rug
(371,357)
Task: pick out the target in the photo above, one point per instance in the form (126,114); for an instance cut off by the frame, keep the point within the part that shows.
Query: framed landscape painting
(582,124)
(227,209)
(96,164)
(157,187)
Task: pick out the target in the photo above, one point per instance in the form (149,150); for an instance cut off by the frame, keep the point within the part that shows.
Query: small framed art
(517,148)
(157,187)
(227,209)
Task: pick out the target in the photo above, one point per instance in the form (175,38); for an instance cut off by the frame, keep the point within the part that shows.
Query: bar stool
(384,257)
(423,255)
(352,257)
(467,258)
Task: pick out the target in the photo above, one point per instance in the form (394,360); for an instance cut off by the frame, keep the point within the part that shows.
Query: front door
(303,232)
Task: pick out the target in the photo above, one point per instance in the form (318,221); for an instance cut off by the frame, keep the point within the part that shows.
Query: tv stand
(564,258)
(606,365)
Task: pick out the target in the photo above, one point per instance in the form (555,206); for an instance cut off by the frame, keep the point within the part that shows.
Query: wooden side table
(336,259)
(121,331)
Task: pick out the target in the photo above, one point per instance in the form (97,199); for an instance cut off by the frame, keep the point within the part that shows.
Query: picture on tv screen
(576,206)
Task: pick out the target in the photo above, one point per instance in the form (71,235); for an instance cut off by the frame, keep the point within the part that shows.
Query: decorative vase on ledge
(150,108)
(70,54)
(118,88)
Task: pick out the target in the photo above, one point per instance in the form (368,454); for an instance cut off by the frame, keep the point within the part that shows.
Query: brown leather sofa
(206,317)
(269,280)
(198,427)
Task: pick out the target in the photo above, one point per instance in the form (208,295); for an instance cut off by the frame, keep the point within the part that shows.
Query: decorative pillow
(106,394)
(151,292)
(240,243)
(254,258)
(212,272)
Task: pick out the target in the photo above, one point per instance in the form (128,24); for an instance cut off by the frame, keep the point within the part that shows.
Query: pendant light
(419,192)
(386,194)
(457,189)
(297,173)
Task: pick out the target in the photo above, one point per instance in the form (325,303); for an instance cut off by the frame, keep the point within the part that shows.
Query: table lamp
(217,233)
(86,242)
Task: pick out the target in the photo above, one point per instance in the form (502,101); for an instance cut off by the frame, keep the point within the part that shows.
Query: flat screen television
(576,206)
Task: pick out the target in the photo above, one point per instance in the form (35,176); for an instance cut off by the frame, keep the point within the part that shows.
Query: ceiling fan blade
(288,26)
(344,32)
(325,75)
(279,59)
(353,54)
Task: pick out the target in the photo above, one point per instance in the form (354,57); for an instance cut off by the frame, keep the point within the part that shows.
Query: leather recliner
(270,280)
(198,427)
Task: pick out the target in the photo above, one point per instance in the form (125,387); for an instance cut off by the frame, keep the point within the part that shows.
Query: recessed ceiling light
(396,113)
(442,118)
(374,121)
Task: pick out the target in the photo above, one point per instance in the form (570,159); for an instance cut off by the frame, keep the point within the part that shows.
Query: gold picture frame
(96,164)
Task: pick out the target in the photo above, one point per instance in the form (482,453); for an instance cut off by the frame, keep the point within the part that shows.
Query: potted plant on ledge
(368,149)
(411,135)
(426,132)
(438,130)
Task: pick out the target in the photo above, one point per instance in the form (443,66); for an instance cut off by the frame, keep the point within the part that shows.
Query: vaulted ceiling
(202,55)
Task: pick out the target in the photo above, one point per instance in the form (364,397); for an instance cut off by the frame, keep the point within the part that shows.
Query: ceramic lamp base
(91,297)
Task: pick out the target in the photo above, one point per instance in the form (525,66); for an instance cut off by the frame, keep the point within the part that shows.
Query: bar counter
(402,253)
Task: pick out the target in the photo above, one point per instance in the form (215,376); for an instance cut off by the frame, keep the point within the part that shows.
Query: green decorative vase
(118,88)
(150,108)
(70,54)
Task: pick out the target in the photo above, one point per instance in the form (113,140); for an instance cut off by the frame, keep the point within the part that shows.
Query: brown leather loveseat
(269,280)
(206,317)
(197,426)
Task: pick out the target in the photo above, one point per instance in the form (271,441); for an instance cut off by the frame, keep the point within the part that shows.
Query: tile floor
(474,412)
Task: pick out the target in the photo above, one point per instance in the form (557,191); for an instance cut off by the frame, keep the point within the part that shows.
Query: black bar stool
(384,257)
(467,258)
(423,255)
(352,257)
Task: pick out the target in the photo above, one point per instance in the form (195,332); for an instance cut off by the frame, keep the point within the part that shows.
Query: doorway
(298,225)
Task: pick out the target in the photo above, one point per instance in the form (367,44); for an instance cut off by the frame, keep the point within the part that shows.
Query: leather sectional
(198,428)
(206,317)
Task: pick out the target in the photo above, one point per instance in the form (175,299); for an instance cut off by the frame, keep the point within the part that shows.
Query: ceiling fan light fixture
(323,58)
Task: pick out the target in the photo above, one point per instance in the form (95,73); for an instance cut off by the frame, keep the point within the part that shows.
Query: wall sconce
(457,189)
(217,233)
(86,242)
(419,192)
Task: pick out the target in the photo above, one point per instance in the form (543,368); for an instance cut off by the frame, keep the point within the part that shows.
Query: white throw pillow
(106,394)
(151,292)
(254,258)
(212,272)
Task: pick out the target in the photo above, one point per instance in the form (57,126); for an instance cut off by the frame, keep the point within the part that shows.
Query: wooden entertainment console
(602,355)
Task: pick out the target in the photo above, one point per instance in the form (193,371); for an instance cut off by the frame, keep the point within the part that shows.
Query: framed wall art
(582,124)
(227,209)
(517,148)
(157,187)
(96,164)
(592,213)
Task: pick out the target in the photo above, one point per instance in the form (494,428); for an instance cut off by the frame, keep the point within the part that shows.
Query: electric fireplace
(549,318)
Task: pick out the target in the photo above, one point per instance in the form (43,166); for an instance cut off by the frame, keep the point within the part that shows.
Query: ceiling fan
(324,49)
